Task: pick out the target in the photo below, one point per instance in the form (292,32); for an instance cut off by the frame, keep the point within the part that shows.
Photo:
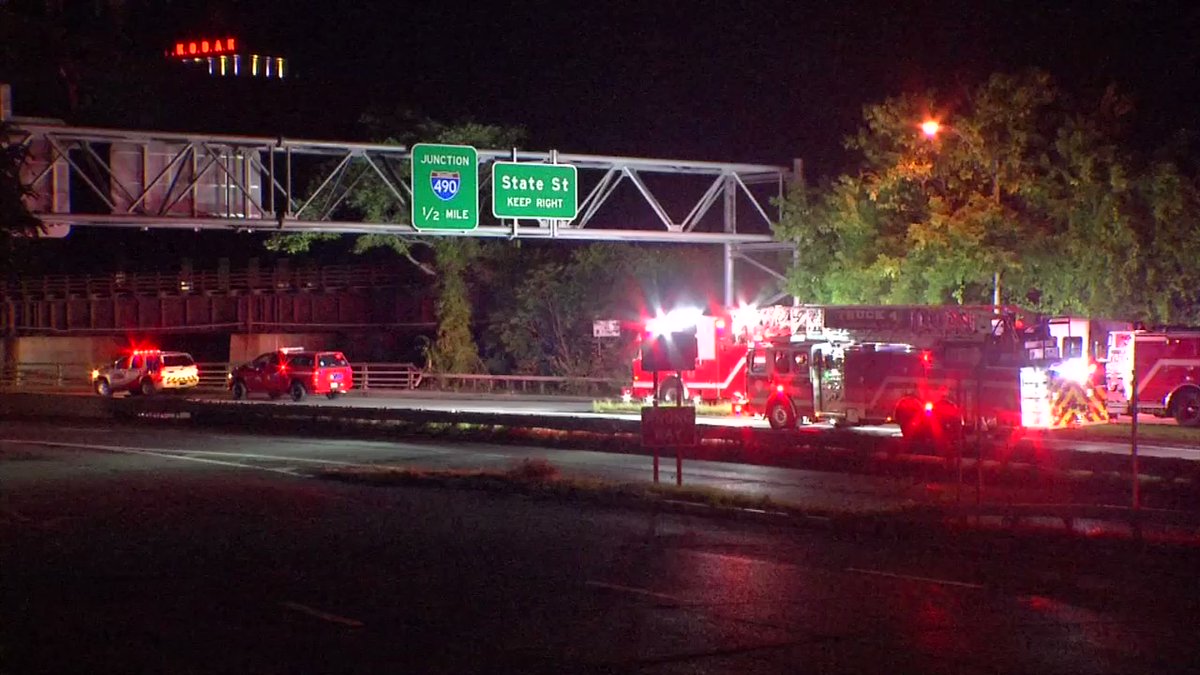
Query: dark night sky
(726,81)
(730,81)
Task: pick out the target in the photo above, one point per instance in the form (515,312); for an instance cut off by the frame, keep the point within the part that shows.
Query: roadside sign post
(679,449)
(669,427)
(666,426)
(1133,429)
(445,187)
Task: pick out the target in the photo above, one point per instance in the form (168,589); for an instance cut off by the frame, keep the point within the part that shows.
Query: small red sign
(193,48)
(668,427)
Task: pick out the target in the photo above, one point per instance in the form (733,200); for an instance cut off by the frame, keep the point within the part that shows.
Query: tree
(454,350)
(546,323)
(16,223)
(1025,186)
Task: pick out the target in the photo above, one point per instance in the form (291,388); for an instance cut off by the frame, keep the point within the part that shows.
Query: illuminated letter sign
(204,47)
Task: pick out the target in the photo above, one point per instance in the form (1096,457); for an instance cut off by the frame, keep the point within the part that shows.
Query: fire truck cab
(1167,368)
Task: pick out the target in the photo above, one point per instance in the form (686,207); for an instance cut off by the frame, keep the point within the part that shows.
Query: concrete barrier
(50,406)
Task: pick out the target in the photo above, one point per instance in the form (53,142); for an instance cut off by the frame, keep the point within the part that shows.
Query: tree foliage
(546,325)
(15,220)
(454,350)
(1021,182)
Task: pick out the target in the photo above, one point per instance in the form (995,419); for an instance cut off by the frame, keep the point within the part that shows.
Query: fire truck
(929,369)
(1167,367)
(723,339)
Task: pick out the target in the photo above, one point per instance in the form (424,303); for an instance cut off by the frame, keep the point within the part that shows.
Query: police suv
(146,371)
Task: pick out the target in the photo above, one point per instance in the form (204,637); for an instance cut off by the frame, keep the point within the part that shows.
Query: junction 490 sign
(445,185)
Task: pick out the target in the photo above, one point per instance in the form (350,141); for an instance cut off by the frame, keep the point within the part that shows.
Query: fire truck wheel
(781,414)
(239,390)
(949,429)
(668,391)
(147,387)
(908,416)
(297,391)
(1187,408)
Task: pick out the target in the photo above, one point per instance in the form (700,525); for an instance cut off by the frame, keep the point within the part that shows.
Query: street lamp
(931,128)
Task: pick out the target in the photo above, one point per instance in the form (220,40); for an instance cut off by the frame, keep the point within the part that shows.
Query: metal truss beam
(781,254)
(215,182)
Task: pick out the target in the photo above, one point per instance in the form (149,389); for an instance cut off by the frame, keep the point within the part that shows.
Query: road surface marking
(332,618)
(153,452)
(635,591)
(736,558)
(202,460)
(908,577)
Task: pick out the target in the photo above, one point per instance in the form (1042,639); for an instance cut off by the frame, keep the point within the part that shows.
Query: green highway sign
(527,190)
(445,187)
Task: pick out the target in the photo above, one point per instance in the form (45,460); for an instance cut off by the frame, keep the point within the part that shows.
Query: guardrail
(371,376)
(45,375)
(386,376)
(525,384)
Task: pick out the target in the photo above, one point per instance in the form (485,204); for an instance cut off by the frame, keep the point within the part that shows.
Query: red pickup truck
(295,372)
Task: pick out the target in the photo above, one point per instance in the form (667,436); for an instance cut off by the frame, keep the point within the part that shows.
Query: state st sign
(445,187)
(528,190)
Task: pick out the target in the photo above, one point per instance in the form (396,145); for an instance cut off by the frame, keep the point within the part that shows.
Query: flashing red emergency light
(927,358)
(928,407)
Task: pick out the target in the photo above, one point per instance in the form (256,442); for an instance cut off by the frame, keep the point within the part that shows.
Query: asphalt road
(298,456)
(142,561)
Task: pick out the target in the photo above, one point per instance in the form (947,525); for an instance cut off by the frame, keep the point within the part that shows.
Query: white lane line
(635,591)
(332,618)
(153,452)
(908,577)
(251,455)
(181,452)
(734,558)
(204,460)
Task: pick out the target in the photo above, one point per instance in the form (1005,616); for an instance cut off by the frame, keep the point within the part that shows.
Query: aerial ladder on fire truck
(920,326)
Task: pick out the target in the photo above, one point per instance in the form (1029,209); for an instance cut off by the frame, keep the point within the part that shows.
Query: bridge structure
(98,177)
(186,301)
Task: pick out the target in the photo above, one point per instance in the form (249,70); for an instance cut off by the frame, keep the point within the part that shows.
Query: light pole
(931,128)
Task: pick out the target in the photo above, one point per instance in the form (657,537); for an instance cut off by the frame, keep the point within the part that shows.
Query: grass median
(1120,431)
(540,478)
(635,408)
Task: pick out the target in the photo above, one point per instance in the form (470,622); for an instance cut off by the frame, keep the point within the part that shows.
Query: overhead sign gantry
(150,179)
